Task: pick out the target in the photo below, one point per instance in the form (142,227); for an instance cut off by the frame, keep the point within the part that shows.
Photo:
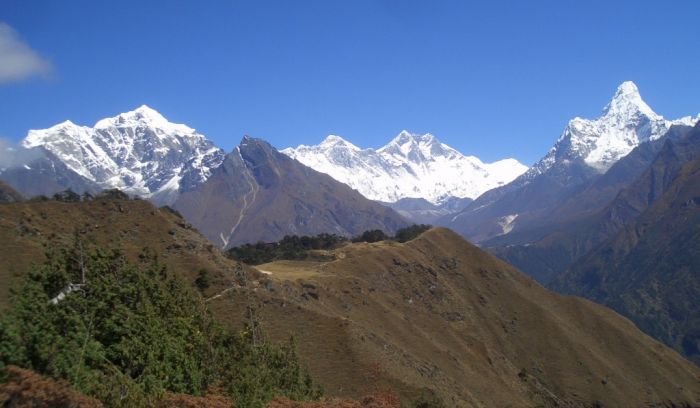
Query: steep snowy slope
(585,150)
(410,166)
(626,122)
(139,152)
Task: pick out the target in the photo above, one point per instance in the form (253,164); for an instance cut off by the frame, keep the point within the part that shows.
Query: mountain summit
(139,152)
(409,166)
(627,101)
(586,149)
(626,122)
(146,117)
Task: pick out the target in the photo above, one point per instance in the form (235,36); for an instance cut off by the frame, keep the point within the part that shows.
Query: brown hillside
(435,313)
(27,229)
(27,389)
(440,313)
(9,194)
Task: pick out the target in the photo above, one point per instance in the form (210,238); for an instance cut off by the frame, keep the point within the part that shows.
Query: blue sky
(494,78)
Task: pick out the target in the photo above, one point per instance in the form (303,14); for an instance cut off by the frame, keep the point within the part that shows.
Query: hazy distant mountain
(585,150)
(45,174)
(410,166)
(259,194)
(422,211)
(139,152)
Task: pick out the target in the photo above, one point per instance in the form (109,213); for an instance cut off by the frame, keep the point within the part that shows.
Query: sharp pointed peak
(627,100)
(248,140)
(627,88)
(251,148)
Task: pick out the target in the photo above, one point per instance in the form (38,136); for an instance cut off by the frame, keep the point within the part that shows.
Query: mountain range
(409,166)
(143,154)
(259,194)
(578,220)
(138,152)
(585,150)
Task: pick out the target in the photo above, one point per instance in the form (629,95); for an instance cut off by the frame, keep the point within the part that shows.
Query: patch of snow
(507,223)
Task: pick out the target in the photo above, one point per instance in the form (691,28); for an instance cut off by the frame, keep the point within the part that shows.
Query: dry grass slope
(27,229)
(9,194)
(438,312)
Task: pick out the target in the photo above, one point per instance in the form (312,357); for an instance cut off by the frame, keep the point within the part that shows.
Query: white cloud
(17,60)
(14,155)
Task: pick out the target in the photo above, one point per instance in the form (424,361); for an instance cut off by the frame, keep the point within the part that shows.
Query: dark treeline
(70,196)
(293,247)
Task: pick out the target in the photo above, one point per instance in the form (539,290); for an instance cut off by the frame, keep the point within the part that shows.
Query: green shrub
(202,282)
(126,333)
(371,236)
(67,196)
(410,233)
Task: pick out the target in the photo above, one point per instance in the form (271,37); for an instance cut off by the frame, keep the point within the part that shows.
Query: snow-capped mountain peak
(334,140)
(37,137)
(626,122)
(410,165)
(139,151)
(627,102)
(144,116)
(66,124)
(406,139)
(418,148)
